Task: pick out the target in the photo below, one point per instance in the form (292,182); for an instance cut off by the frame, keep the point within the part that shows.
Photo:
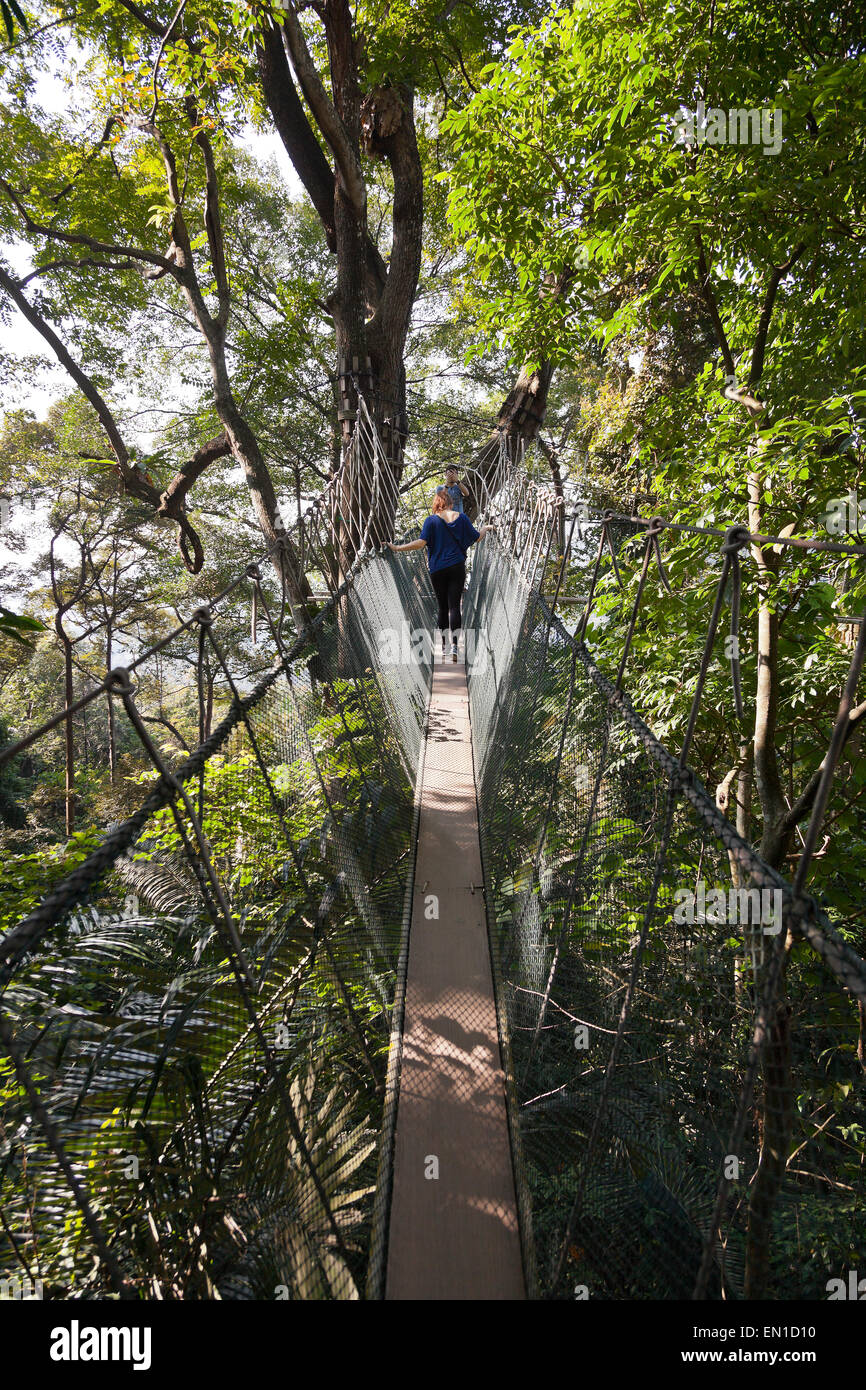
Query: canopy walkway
(453,1230)
(380,991)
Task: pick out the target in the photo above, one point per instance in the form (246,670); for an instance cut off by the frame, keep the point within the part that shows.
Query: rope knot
(120,682)
(203,615)
(735,538)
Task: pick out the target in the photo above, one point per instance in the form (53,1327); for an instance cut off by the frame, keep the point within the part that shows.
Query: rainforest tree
(134,208)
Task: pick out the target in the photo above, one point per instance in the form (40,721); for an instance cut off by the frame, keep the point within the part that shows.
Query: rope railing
(179,1106)
(614,832)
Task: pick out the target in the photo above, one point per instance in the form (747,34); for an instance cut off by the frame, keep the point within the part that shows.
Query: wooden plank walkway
(455,1235)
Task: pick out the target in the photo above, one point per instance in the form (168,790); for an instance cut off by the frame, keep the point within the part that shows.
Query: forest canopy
(623,235)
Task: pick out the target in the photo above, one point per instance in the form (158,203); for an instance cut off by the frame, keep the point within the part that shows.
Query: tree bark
(112,750)
(68,729)
(776,1062)
(520,418)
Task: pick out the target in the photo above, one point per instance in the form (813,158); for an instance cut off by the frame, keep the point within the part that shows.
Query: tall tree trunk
(371,304)
(69,730)
(112,750)
(776,1104)
(777,1088)
(520,418)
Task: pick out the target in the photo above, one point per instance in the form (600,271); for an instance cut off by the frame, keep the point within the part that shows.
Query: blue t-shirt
(456,498)
(447,541)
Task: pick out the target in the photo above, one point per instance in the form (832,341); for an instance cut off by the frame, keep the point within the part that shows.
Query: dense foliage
(651,211)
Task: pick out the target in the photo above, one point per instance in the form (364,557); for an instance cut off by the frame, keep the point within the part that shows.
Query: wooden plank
(453,1230)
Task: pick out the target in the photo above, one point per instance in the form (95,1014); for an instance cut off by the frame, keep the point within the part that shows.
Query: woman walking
(447,535)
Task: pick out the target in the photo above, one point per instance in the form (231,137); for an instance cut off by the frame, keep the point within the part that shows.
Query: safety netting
(683,1035)
(196,1016)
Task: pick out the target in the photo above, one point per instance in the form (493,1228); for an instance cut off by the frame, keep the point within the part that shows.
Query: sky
(52,93)
(26,517)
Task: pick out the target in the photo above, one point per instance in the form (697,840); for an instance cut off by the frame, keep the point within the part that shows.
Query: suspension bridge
(380,991)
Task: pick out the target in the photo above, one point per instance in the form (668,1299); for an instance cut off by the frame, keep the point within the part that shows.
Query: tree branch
(85,263)
(759,350)
(294,129)
(212,218)
(172,500)
(803,805)
(109,126)
(182,265)
(743,397)
(162,47)
(710,301)
(133,479)
(136,253)
(306,153)
(84,384)
(324,112)
(153,25)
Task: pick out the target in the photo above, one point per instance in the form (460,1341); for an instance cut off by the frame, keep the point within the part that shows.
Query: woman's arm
(410,545)
(491,526)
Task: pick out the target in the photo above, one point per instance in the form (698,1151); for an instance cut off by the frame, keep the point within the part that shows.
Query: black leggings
(448,587)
